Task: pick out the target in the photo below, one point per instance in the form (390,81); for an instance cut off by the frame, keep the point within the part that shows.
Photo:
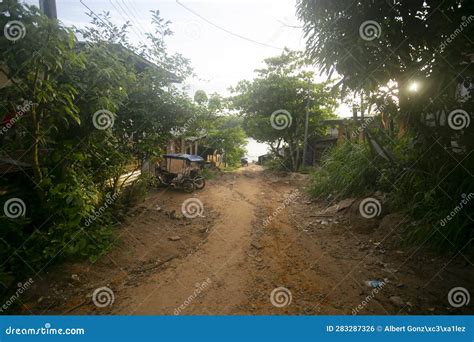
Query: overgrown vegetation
(422,93)
(77,115)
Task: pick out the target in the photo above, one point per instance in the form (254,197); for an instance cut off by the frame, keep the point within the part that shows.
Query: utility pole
(48,7)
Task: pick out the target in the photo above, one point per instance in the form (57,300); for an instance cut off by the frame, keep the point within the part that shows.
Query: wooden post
(340,133)
(48,7)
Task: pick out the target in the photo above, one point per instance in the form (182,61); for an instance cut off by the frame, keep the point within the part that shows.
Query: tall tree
(275,103)
(371,43)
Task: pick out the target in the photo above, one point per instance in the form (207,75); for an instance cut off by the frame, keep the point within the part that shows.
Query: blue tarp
(190,157)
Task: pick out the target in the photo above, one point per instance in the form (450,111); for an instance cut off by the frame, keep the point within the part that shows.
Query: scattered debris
(75,277)
(174,238)
(344,204)
(397,301)
(256,245)
(374,283)
(321,215)
(203,230)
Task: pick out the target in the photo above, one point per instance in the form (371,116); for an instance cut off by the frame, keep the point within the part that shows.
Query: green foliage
(413,44)
(75,167)
(413,186)
(227,135)
(346,170)
(208,174)
(133,194)
(284,85)
(429,187)
(425,42)
(277,164)
(408,44)
(200,97)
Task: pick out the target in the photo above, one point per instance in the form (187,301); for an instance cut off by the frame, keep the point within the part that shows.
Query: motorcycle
(181,171)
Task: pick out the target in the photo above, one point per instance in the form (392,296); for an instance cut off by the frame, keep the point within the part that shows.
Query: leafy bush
(74,160)
(277,164)
(428,187)
(346,169)
(133,194)
(208,174)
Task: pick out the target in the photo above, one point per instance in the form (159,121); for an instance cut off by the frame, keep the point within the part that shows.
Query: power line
(135,20)
(133,28)
(226,30)
(288,25)
(104,22)
(95,15)
(134,6)
(107,24)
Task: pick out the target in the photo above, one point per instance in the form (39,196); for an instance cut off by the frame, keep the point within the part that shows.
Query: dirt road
(219,263)
(259,247)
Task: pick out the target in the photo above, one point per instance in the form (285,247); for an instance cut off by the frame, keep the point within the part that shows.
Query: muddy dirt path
(217,271)
(259,247)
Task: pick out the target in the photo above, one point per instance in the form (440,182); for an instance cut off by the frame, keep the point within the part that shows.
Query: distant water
(255,149)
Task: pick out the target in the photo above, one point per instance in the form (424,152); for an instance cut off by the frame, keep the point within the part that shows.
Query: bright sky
(220,59)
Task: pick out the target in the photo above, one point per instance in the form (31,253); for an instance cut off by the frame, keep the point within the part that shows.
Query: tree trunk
(292,156)
(297,165)
(35,158)
(404,117)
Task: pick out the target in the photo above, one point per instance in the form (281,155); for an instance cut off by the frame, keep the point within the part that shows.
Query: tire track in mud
(221,262)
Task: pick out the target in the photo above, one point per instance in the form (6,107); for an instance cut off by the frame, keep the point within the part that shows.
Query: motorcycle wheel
(199,183)
(188,186)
